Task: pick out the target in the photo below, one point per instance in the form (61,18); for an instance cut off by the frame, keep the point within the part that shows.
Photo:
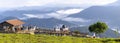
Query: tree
(63,26)
(98,27)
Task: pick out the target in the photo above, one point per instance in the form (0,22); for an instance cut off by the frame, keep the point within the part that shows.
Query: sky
(22,3)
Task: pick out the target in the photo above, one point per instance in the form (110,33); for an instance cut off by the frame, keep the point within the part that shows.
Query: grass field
(40,38)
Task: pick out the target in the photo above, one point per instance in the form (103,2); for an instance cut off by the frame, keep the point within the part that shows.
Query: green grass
(40,38)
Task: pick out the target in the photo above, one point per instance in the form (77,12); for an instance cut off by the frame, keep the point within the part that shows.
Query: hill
(7,18)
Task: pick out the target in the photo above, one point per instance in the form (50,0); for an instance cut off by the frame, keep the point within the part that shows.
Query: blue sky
(21,3)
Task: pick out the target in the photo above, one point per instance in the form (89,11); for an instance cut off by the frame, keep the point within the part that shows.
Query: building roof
(15,22)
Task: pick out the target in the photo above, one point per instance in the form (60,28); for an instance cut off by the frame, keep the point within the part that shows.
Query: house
(63,30)
(11,25)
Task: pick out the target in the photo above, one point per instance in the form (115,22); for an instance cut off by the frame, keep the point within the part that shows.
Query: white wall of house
(65,29)
(57,29)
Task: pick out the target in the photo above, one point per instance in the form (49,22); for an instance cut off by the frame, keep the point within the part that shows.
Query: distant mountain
(48,23)
(117,3)
(48,8)
(108,14)
(109,33)
(1,17)
(7,18)
(18,12)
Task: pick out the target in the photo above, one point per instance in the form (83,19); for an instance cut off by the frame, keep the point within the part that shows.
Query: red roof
(15,22)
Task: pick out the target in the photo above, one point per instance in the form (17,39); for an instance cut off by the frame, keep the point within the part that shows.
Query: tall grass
(41,38)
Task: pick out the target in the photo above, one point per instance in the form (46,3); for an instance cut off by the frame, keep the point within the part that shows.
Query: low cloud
(61,14)
(75,19)
(70,11)
(116,29)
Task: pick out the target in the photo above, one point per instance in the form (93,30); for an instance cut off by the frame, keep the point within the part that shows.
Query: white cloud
(38,2)
(58,14)
(75,19)
(116,29)
(64,13)
(87,2)
(70,11)
(12,3)
(61,14)
(32,16)
(21,3)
